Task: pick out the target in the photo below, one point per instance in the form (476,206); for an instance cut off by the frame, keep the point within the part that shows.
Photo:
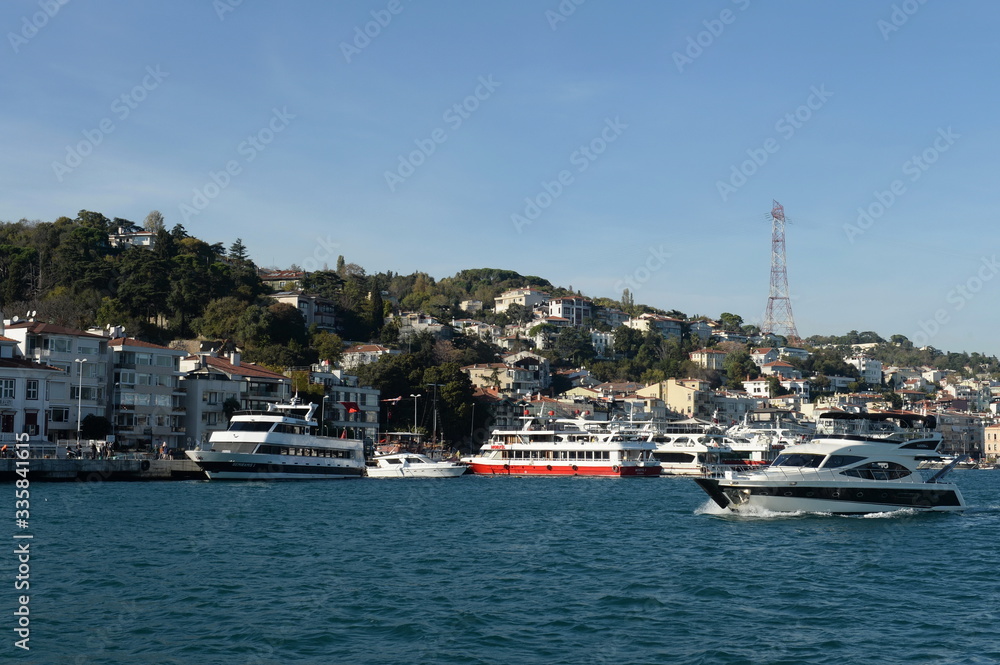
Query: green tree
(739,366)
(731,322)
(328,346)
(573,347)
(238,251)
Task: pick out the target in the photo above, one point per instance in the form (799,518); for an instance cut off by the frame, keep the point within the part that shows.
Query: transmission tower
(778,315)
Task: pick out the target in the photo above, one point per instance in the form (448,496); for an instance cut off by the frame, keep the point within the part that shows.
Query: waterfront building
(991,442)
(348,406)
(24,396)
(147,402)
(84,360)
(209,381)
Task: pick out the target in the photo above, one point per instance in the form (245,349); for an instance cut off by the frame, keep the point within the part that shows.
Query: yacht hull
(643,471)
(830,497)
(229,466)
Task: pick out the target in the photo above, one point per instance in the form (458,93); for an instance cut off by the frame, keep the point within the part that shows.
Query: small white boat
(412,465)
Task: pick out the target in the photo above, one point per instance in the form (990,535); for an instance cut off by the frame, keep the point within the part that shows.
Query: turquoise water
(496,570)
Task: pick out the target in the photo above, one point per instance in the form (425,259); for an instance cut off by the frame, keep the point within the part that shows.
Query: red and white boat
(565,447)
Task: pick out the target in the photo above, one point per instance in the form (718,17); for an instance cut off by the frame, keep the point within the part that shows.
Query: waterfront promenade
(95,470)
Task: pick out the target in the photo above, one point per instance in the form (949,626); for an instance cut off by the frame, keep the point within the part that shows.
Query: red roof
(7,339)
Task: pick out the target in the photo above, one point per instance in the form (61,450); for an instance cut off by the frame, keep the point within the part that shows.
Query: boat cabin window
(393,460)
(878,471)
(674,458)
(291,429)
(244,426)
(841,460)
(266,449)
(806,460)
(414,460)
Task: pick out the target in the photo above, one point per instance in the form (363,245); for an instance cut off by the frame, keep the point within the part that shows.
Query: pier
(97,470)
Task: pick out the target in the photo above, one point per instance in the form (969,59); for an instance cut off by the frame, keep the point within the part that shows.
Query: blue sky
(651,136)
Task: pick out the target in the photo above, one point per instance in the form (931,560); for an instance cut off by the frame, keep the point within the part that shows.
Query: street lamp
(415,411)
(79,398)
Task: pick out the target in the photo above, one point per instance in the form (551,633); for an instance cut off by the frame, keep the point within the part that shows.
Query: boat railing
(795,474)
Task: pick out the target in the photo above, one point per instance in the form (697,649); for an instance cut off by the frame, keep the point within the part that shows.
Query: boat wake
(890,514)
(749,512)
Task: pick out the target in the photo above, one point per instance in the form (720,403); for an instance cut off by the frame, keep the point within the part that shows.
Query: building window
(31,389)
(6,388)
(59,414)
(58,344)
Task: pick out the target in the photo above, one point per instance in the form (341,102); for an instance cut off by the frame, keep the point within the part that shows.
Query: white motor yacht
(281,443)
(412,465)
(857,463)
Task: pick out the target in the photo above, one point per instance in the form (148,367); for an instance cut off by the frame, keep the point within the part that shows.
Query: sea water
(495,570)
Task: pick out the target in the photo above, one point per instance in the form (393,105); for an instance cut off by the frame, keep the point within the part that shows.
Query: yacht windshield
(798,459)
(841,460)
(878,471)
(244,426)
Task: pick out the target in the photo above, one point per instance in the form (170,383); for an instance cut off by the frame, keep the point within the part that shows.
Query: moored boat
(412,465)
(565,447)
(281,443)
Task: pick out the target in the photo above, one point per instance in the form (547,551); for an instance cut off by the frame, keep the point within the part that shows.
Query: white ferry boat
(565,447)
(857,463)
(281,443)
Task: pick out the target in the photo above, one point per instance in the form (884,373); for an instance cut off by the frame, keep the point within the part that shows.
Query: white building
(84,360)
(665,325)
(574,309)
(527,298)
(24,390)
(869,368)
(362,354)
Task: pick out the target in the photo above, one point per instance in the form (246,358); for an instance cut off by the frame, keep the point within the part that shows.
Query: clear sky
(597,144)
